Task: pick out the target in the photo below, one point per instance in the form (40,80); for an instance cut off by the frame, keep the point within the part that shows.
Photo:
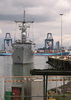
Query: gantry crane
(7,39)
(48,40)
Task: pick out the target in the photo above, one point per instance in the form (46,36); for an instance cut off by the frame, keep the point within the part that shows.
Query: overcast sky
(46,16)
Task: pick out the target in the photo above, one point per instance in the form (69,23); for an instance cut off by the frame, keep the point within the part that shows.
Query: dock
(45,73)
(63,63)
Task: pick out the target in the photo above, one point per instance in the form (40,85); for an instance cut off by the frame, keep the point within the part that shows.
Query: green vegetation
(61,98)
(22,96)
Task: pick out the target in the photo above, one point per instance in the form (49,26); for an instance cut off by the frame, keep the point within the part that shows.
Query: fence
(31,88)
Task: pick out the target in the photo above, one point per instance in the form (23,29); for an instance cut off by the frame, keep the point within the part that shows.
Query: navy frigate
(23,50)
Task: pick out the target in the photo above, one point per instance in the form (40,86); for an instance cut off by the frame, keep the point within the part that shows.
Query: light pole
(61,34)
(61,56)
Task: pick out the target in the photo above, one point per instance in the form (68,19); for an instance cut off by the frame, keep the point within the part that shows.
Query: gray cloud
(44,12)
(40,11)
(37,18)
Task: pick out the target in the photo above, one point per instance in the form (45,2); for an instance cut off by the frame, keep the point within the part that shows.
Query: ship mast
(24,15)
(23,28)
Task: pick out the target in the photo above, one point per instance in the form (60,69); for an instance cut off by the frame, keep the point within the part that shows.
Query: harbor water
(7,68)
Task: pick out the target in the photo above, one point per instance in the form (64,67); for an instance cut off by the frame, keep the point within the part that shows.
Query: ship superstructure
(23,50)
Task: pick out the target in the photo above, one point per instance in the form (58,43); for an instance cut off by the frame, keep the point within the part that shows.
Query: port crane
(7,39)
(48,40)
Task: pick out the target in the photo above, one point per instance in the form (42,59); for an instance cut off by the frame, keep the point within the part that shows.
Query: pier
(63,63)
(47,72)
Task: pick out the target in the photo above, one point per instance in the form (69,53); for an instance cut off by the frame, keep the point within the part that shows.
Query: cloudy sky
(46,16)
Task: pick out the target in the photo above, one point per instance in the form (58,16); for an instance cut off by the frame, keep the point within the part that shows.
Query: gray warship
(23,50)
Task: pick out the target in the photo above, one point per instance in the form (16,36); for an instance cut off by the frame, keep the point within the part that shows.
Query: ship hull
(5,54)
(45,54)
(63,53)
(23,54)
(52,54)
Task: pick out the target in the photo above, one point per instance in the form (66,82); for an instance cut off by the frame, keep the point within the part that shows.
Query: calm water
(7,68)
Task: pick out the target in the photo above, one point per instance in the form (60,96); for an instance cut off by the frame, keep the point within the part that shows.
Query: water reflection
(22,70)
(40,62)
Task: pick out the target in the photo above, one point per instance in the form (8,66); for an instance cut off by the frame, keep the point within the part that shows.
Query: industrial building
(57,45)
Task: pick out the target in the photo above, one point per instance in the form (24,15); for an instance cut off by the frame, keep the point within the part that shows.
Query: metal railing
(32,84)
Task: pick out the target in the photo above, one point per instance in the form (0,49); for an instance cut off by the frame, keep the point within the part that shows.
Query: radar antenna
(24,28)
